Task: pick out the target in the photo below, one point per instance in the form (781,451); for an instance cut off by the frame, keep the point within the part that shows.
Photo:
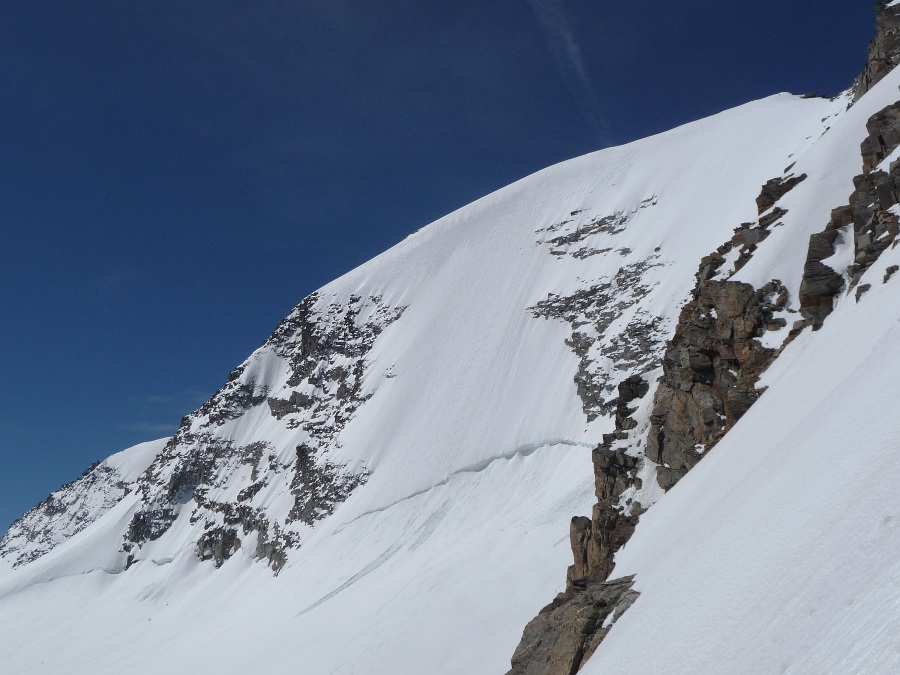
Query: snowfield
(441,582)
(777,554)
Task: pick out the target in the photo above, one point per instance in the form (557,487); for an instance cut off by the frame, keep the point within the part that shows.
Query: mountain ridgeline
(711,368)
(388,483)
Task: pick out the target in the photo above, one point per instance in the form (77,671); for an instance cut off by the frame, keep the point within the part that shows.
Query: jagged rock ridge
(710,368)
(884,50)
(710,371)
(324,347)
(223,484)
(418,428)
(870,220)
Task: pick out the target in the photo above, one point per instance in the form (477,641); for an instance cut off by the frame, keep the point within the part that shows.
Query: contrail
(566,51)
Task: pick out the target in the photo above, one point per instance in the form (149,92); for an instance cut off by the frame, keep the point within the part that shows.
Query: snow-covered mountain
(387,484)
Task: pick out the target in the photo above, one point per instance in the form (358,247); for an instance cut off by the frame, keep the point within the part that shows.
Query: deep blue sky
(175,176)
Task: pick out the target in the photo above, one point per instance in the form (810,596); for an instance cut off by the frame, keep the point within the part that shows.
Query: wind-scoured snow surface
(467,438)
(778,553)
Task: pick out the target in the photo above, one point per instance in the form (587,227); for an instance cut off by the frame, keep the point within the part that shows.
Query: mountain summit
(686,342)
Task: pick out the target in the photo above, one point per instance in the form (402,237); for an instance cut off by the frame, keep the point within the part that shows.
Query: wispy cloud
(567,52)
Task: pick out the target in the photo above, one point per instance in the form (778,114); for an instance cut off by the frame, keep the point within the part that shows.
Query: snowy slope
(501,379)
(386,593)
(407,449)
(778,553)
(75,506)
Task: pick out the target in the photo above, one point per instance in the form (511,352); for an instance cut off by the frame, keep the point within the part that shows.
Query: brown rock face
(876,191)
(610,526)
(874,227)
(775,189)
(596,539)
(748,236)
(884,50)
(560,639)
(567,631)
(883,138)
(710,372)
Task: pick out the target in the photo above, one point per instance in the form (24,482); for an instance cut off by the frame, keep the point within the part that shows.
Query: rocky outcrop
(634,347)
(571,234)
(231,401)
(884,50)
(775,189)
(218,544)
(877,192)
(870,218)
(884,137)
(326,350)
(562,244)
(820,281)
(63,514)
(221,536)
(710,371)
(748,236)
(324,347)
(594,540)
(319,486)
(566,632)
(613,333)
(226,487)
